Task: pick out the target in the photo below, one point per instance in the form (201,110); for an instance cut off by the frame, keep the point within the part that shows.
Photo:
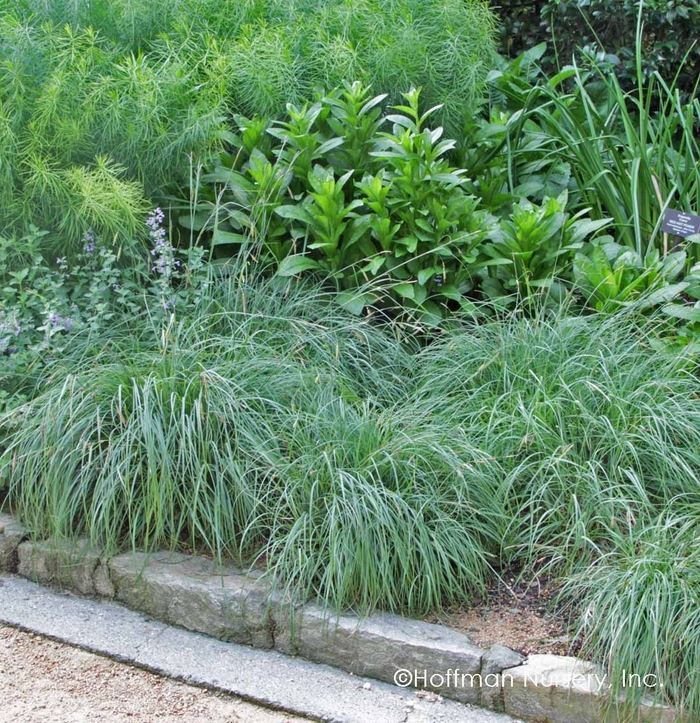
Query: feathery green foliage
(104,104)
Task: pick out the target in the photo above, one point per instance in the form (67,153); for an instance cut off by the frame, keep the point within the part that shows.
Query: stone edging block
(195,594)
(230,604)
(11,535)
(562,689)
(77,565)
(380,645)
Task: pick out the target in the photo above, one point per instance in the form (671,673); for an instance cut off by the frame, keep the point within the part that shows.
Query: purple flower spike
(89,241)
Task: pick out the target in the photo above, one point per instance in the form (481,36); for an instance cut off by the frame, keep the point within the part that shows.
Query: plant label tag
(680,224)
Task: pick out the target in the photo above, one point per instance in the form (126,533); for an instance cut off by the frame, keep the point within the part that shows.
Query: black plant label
(680,224)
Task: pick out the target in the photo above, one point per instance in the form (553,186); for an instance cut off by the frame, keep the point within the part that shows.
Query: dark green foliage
(531,251)
(372,208)
(611,276)
(370,200)
(622,163)
(607,28)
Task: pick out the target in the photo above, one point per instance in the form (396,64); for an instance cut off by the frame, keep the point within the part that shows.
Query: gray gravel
(43,681)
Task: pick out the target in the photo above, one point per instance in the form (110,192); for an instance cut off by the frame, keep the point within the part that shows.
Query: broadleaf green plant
(611,276)
(532,251)
(381,212)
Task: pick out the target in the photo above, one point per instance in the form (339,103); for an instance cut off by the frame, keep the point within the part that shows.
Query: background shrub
(608,28)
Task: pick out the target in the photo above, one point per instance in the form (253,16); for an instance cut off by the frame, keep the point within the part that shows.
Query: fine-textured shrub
(278,51)
(103,102)
(90,131)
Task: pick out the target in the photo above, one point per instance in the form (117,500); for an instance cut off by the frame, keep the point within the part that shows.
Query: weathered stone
(559,689)
(75,565)
(195,594)
(555,689)
(647,712)
(497,659)
(102,581)
(11,535)
(435,658)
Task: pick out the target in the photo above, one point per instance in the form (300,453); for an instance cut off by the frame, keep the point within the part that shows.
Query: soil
(43,681)
(519,616)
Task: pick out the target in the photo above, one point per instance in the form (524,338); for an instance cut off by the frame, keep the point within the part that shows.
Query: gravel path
(43,681)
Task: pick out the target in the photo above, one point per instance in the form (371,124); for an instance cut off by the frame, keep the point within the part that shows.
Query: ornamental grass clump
(592,426)
(640,614)
(596,433)
(383,505)
(263,426)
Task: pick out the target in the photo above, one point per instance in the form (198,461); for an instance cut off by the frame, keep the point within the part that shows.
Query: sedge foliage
(640,608)
(264,426)
(270,426)
(597,436)
(593,428)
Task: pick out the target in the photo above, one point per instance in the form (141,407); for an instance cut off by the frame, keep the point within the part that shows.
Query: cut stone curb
(562,689)
(266,678)
(380,645)
(77,566)
(225,603)
(495,661)
(197,595)
(229,604)
(11,535)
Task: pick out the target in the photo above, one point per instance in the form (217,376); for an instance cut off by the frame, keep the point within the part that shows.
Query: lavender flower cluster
(165,262)
(12,326)
(89,241)
(64,322)
(162,251)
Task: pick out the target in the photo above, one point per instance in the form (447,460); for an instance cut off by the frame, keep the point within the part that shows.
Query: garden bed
(411,322)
